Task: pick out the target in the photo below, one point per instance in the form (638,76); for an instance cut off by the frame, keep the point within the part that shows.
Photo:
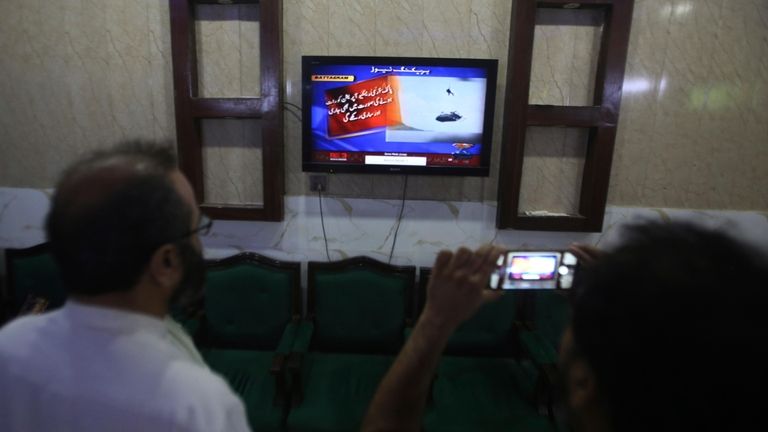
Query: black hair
(672,323)
(110,212)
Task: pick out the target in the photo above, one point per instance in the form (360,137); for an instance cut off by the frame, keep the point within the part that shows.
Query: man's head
(667,333)
(123,218)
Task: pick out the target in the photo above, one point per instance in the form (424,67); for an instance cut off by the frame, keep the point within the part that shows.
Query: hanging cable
(399,219)
(293,105)
(322,223)
(297,115)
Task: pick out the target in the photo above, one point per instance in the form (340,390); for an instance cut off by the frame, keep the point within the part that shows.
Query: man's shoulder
(201,397)
(23,329)
(185,375)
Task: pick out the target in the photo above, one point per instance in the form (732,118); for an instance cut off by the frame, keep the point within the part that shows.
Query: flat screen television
(402,115)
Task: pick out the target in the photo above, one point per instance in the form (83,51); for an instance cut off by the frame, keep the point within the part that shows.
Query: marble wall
(694,122)
(368,227)
(77,75)
(693,131)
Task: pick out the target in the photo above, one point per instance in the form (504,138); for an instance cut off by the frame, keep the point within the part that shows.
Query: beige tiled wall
(693,130)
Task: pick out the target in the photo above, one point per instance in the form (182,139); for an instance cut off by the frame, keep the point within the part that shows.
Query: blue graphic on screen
(441,110)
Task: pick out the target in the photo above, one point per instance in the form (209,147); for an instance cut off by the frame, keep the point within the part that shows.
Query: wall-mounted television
(402,115)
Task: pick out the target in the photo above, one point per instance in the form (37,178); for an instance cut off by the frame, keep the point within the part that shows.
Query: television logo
(338,156)
(334,78)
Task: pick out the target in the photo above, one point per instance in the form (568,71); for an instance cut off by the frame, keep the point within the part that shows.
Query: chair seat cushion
(337,391)
(483,394)
(247,372)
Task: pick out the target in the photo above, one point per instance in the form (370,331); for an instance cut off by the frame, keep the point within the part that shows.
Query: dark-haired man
(666,335)
(123,228)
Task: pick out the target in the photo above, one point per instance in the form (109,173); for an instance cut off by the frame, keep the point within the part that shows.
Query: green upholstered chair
(491,332)
(482,382)
(32,274)
(548,317)
(357,313)
(252,308)
(547,314)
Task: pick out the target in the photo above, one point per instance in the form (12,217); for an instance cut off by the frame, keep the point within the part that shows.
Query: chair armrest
(303,337)
(287,339)
(278,364)
(277,370)
(293,363)
(544,357)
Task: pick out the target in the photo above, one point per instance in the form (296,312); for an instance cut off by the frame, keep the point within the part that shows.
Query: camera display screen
(532,267)
(533,270)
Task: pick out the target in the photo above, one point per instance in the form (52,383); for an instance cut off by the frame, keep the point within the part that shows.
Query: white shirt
(85,368)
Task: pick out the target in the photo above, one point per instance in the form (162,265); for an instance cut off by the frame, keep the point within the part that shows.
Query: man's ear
(165,267)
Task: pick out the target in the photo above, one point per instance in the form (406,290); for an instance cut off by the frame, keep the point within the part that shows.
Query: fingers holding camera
(457,287)
(586,254)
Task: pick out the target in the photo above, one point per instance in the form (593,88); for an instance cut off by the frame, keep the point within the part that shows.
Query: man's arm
(456,291)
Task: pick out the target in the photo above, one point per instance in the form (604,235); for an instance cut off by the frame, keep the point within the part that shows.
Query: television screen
(398,115)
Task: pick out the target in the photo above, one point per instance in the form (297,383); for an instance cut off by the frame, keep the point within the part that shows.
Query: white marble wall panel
(22,216)
(367,227)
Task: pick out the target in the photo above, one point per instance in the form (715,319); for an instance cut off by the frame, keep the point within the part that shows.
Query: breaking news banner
(363,106)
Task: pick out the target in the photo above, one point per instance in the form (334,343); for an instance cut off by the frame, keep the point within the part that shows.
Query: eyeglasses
(204,227)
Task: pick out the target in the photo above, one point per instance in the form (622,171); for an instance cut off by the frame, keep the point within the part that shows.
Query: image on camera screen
(526,267)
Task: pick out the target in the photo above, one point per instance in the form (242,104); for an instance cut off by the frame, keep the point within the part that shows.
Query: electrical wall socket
(318,183)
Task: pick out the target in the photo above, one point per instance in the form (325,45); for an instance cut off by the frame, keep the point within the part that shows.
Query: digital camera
(534,270)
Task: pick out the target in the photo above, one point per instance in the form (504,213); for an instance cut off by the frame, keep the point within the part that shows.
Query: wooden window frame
(601,118)
(191,109)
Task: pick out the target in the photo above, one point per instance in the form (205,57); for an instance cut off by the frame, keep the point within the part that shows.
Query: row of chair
(318,371)
(325,367)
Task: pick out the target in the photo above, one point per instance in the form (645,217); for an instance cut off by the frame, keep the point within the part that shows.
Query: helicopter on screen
(448,117)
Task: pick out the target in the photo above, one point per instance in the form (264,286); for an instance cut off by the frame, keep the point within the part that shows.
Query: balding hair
(111,210)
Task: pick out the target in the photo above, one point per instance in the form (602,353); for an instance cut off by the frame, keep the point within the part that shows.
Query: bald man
(124,229)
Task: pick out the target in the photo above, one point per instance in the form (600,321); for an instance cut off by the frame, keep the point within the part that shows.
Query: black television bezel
(307,165)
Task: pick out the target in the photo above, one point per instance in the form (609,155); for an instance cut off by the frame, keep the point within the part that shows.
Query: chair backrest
(33,274)
(491,331)
(359,304)
(249,299)
(552,313)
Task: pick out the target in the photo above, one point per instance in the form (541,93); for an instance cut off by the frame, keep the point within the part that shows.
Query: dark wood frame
(601,119)
(360,262)
(190,108)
